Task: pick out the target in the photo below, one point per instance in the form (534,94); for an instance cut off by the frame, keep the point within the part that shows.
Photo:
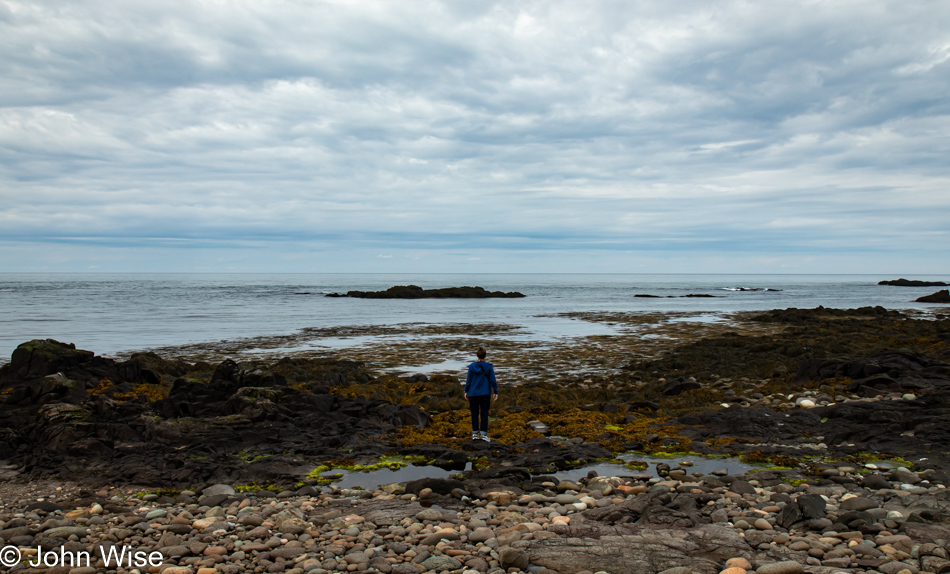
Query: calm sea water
(113,313)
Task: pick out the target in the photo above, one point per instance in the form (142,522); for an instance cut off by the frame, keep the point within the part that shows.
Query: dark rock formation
(942,296)
(39,357)
(416,292)
(70,413)
(913,283)
(680,385)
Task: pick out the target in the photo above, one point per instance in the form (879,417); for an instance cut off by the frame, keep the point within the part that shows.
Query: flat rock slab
(631,550)
(389,512)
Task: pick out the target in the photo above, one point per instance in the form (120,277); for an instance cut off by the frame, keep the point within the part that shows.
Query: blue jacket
(481,382)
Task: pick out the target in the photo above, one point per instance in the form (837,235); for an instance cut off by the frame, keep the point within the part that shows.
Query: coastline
(874,384)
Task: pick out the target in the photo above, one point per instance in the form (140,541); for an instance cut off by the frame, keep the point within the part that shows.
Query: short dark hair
(481,353)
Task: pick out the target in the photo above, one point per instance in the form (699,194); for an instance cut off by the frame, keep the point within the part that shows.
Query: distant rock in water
(913,283)
(673,296)
(416,292)
(942,296)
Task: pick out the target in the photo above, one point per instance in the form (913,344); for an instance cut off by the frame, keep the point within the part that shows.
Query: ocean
(114,314)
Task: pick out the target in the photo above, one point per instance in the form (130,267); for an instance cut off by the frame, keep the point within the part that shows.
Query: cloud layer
(542,136)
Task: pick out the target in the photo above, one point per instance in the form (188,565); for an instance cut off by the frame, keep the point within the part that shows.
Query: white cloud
(536,126)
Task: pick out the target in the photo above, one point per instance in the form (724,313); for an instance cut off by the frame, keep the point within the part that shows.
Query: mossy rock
(41,357)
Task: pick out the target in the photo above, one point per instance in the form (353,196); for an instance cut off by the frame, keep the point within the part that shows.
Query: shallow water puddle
(384,476)
(700,464)
(376,478)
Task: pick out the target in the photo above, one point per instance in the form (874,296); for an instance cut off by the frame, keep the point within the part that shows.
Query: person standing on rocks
(481,389)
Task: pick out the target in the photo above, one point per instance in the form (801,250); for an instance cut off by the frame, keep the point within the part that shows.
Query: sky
(556,136)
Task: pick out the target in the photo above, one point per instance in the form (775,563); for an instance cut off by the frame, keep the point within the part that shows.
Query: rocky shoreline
(847,385)
(828,397)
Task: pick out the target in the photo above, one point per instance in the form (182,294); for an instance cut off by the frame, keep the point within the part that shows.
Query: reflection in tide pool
(384,476)
(701,465)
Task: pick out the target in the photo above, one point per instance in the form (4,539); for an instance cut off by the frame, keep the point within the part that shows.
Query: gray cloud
(776,135)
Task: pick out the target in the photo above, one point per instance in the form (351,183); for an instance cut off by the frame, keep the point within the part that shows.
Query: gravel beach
(766,522)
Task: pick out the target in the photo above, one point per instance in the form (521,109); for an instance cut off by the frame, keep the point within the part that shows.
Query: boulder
(942,296)
(41,357)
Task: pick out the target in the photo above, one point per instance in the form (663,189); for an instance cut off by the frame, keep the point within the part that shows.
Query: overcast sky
(758,137)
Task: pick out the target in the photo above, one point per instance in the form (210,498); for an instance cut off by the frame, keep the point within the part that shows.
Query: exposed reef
(942,296)
(913,283)
(416,292)
(838,384)
(647,295)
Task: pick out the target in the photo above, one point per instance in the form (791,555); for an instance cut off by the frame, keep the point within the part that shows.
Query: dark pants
(479,406)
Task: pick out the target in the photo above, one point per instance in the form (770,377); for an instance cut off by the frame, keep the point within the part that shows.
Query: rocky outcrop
(913,283)
(416,292)
(942,296)
(41,357)
(70,413)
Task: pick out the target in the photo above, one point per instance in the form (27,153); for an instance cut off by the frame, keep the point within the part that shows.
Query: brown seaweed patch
(453,428)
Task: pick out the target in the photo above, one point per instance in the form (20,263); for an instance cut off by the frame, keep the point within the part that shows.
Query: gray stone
(812,506)
(836,562)
(478,564)
(176,528)
(875,482)
(568,485)
(895,567)
(741,487)
(481,535)
(65,532)
(510,557)
(440,563)
(428,514)
(285,552)
(436,537)
(786,567)
(218,489)
(791,514)
(858,503)
(176,550)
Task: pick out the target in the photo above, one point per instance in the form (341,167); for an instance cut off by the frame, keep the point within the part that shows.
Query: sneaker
(485,438)
(475,435)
